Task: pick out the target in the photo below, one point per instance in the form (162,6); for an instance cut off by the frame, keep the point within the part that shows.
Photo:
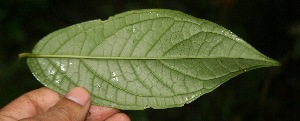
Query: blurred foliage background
(271,26)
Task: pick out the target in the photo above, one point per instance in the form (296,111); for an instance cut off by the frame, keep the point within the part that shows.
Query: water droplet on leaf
(113,74)
(63,67)
(51,71)
(133,29)
(115,79)
(57,79)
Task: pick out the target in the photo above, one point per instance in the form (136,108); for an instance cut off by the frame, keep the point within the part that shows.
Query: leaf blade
(141,59)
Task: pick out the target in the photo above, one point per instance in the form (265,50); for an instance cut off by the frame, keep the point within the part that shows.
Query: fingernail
(78,95)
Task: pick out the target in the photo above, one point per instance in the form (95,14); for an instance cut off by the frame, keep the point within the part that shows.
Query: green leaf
(143,58)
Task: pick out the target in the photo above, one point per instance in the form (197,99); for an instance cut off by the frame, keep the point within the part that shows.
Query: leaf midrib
(31,55)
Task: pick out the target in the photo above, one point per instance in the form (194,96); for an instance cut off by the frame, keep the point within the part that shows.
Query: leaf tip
(273,62)
(277,63)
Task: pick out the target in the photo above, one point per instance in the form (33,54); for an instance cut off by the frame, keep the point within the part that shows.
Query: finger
(30,104)
(73,107)
(119,117)
(100,113)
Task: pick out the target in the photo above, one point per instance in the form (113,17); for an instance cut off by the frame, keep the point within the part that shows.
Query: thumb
(73,107)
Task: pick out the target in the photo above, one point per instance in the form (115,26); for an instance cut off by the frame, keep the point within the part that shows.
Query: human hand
(47,105)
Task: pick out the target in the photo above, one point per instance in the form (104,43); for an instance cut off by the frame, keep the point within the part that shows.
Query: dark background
(271,26)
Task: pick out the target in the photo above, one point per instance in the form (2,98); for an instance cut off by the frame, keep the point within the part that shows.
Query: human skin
(45,104)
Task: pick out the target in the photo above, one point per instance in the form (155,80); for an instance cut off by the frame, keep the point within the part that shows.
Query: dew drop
(146,106)
(133,29)
(43,63)
(193,96)
(98,85)
(138,69)
(113,105)
(63,67)
(51,71)
(57,79)
(111,96)
(225,33)
(113,74)
(186,98)
(238,39)
(115,79)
